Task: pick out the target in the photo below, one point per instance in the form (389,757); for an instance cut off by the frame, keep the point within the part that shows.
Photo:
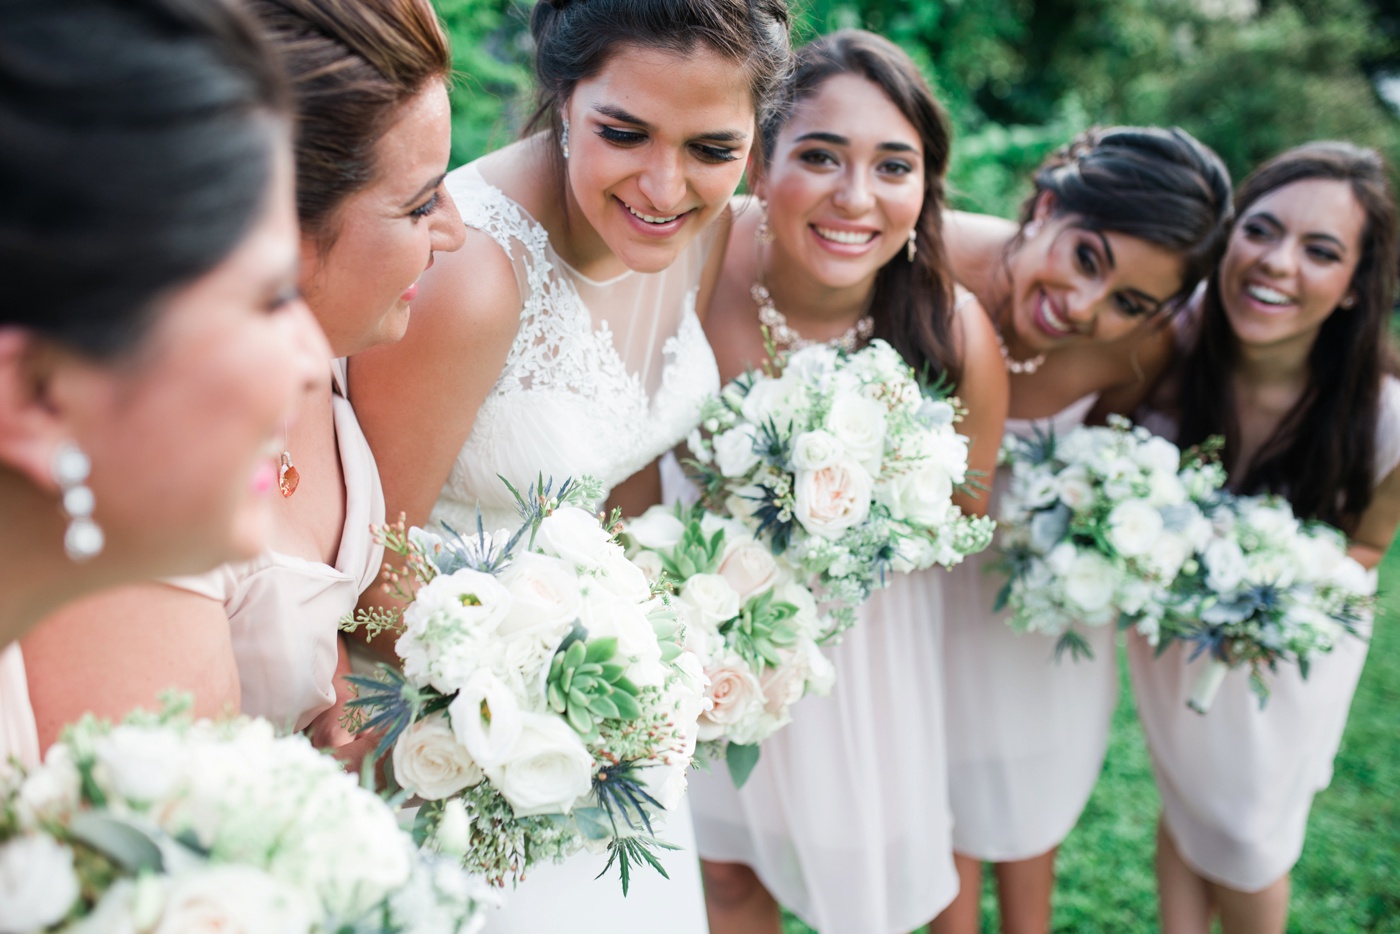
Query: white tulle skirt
(1026,734)
(565,897)
(845,819)
(1238,782)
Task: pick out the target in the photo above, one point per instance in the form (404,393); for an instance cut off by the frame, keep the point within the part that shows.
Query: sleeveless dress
(1026,734)
(845,819)
(284,611)
(602,378)
(1237,783)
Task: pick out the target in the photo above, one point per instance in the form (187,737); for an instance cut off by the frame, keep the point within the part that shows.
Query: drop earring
(1349,301)
(564,139)
(1032,228)
(83,539)
(913,243)
(764,232)
(287,476)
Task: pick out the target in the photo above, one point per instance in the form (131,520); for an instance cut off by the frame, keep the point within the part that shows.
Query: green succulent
(588,684)
(761,629)
(695,553)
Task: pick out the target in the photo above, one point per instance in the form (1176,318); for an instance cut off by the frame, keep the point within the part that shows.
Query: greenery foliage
(1020,77)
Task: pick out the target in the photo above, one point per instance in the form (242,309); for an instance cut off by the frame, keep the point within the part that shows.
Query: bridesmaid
(845,820)
(151,342)
(1121,227)
(1293,366)
(369,85)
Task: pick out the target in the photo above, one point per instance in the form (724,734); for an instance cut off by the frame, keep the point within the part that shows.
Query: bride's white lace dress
(602,378)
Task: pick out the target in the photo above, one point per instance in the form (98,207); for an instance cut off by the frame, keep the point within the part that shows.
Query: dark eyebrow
(622,116)
(1155,303)
(423,192)
(836,139)
(1108,251)
(1314,235)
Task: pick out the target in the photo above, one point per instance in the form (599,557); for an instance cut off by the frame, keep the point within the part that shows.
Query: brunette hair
(912,302)
(352,64)
(1321,456)
(139,139)
(1159,185)
(574,41)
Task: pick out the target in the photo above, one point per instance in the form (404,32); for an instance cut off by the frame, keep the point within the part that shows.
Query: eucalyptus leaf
(592,823)
(741,761)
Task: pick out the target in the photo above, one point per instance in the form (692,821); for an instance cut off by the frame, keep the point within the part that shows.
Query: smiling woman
(564,339)
(371,151)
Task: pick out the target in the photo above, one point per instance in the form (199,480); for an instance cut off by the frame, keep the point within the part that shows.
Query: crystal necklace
(785,338)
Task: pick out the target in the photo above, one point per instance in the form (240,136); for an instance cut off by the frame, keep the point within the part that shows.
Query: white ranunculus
(859,424)
(735,695)
(1134,527)
(431,763)
(833,499)
(1075,490)
(712,597)
(234,899)
(469,598)
(1225,565)
(1090,581)
(657,529)
(545,596)
(813,450)
(650,564)
(575,535)
(776,400)
(546,771)
(750,569)
(734,450)
(140,764)
(1061,558)
(922,496)
(486,717)
(37,883)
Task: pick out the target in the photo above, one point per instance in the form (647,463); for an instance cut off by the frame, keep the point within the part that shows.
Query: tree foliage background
(1019,77)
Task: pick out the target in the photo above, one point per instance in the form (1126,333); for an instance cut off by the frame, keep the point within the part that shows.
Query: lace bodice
(601,379)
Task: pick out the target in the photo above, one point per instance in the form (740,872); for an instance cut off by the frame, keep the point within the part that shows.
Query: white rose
(1225,565)
(1351,577)
(1165,489)
(629,624)
(486,718)
(734,451)
(808,618)
(545,596)
(575,535)
(712,597)
(833,499)
(657,529)
(1134,527)
(821,673)
(37,883)
(813,450)
(546,771)
(859,425)
(1075,490)
(431,763)
(1169,554)
(140,764)
(1090,582)
(234,899)
(51,791)
(750,569)
(922,496)
(622,578)
(665,783)
(735,695)
(776,400)
(811,364)
(650,564)
(1061,558)
(783,686)
(1159,454)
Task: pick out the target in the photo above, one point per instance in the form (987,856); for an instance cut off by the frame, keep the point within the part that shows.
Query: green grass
(1349,877)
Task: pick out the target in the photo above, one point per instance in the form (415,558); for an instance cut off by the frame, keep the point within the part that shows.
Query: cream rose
(813,450)
(37,882)
(546,771)
(234,899)
(735,695)
(923,496)
(712,597)
(859,424)
(650,564)
(750,569)
(431,763)
(545,596)
(832,499)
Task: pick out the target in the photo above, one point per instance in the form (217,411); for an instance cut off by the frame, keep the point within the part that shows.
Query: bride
(563,338)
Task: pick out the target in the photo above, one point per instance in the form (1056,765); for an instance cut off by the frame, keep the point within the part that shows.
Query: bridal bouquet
(1095,526)
(545,703)
(843,465)
(164,825)
(752,624)
(1266,588)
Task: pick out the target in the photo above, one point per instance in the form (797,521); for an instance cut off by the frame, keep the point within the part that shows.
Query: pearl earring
(83,539)
(564,139)
(1349,301)
(764,232)
(1031,229)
